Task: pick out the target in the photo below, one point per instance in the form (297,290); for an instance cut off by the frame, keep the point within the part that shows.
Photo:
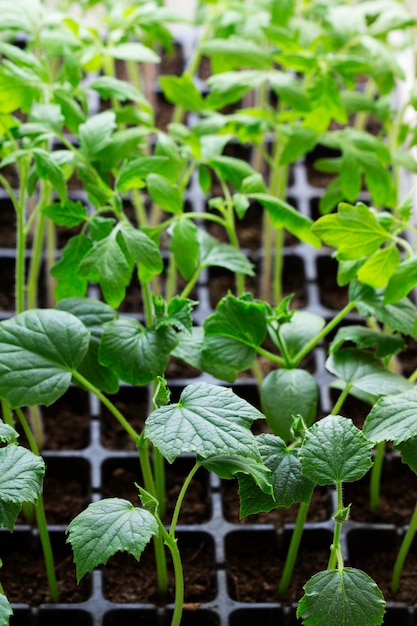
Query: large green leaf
(347,596)
(384,344)
(208,420)
(106,527)
(164,193)
(365,372)
(95,133)
(353,230)
(286,393)
(335,451)
(378,268)
(402,281)
(393,418)
(185,247)
(40,349)
(296,334)
(69,282)
(134,353)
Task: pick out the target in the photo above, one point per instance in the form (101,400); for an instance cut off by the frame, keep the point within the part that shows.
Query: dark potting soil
(126,580)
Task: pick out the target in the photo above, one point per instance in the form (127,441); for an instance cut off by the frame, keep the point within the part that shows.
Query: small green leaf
(296,334)
(345,596)
(106,527)
(95,133)
(21,475)
(224,358)
(178,314)
(189,347)
(353,230)
(106,264)
(392,418)
(408,451)
(335,451)
(40,349)
(164,193)
(402,281)
(362,370)
(9,512)
(108,86)
(47,169)
(384,344)
(6,611)
(7,433)
(288,483)
(208,420)
(182,91)
(185,247)
(66,214)
(283,215)
(136,354)
(227,467)
(400,316)
(142,250)
(132,174)
(378,268)
(70,282)
(215,254)
(287,393)
(133,51)
(235,52)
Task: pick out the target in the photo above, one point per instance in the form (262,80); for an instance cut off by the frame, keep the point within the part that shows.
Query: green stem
(180,498)
(135,436)
(41,518)
(375,478)
(271,356)
(35,264)
(7,413)
(329,327)
(172,546)
(21,242)
(293,549)
(335,550)
(344,394)
(403,552)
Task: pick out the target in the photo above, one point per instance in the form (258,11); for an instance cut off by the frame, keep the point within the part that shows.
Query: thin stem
(41,518)
(271,356)
(329,327)
(335,550)
(403,552)
(180,498)
(375,478)
(344,394)
(293,549)
(21,242)
(135,436)
(191,283)
(172,546)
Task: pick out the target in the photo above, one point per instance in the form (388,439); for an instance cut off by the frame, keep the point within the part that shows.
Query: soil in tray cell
(132,402)
(255,561)
(131,617)
(331,294)
(126,580)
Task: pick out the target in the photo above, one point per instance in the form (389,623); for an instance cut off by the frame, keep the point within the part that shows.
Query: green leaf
(350,175)
(227,467)
(378,268)
(164,193)
(288,483)
(68,213)
(241,318)
(353,230)
(106,527)
(110,87)
(47,169)
(215,254)
(21,475)
(136,354)
(106,264)
(189,347)
(286,394)
(298,141)
(178,314)
(408,451)
(283,215)
(224,358)
(93,314)
(181,91)
(345,596)
(392,418)
(40,350)
(365,372)
(400,316)
(132,174)
(142,250)
(299,331)
(7,433)
(208,420)
(95,134)
(6,611)
(133,51)
(231,169)
(384,344)
(235,53)
(185,247)
(402,281)
(335,451)
(70,282)
(9,512)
